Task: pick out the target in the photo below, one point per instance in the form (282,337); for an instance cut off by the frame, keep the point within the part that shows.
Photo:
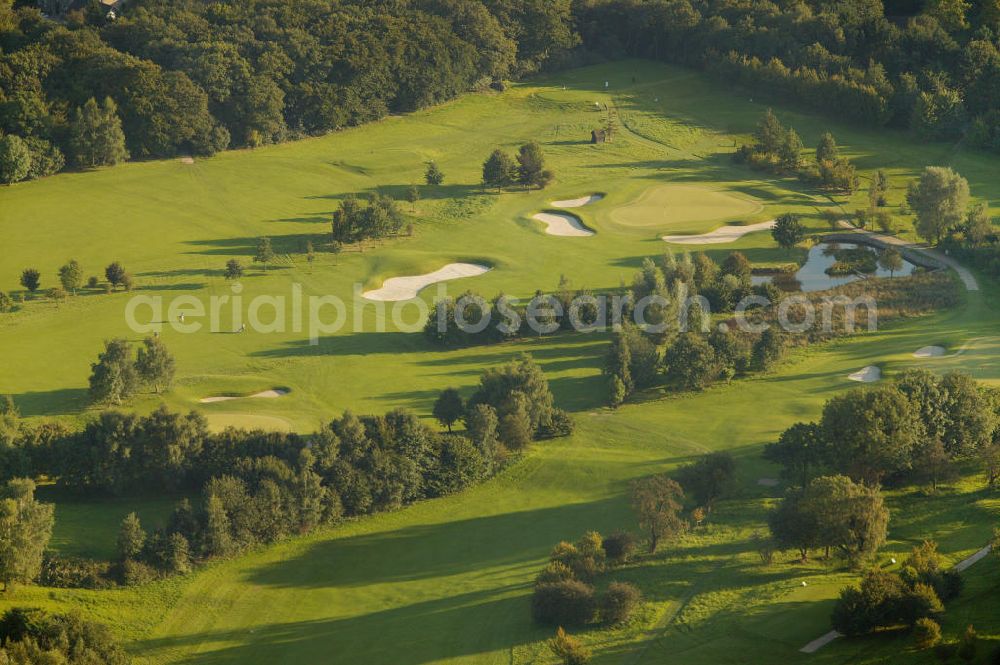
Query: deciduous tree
(658,502)
(788,231)
(113,377)
(31,279)
(265,253)
(449,407)
(71,276)
(96,136)
(15,159)
(25,531)
(154,364)
(939,199)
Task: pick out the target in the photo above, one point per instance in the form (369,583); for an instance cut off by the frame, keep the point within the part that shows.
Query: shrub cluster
(683,354)
(34,636)
(885,599)
(564,595)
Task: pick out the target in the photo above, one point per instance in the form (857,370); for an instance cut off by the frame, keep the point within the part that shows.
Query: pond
(815,275)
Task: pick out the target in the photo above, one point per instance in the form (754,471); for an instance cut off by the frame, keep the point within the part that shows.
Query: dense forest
(160,78)
(194,77)
(932,66)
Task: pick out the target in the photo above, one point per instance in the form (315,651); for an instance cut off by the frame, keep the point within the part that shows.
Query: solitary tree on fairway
(788,231)
(31,279)
(154,364)
(113,377)
(265,253)
(658,502)
(940,199)
(433,175)
(234,269)
(890,259)
(25,531)
(448,408)
(71,276)
(499,170)
(531,166)
(115,274)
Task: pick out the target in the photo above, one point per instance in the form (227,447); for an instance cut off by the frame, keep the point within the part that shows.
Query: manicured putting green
(665,206)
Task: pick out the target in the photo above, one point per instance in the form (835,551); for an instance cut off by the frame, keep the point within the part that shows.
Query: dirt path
(963,273)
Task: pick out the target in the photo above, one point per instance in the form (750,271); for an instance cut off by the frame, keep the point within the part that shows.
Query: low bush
(566,603)
(926,634)
(968,645)
(560,424)
(33,636)
(619,602)
(136,573)
(619,546)
(569,649)
(73,573)
(554,573)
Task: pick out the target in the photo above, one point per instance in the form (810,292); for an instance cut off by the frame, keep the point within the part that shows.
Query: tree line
(256,487)
(779,149)
(167,78)
(71,281)
(932,68)
(183,77)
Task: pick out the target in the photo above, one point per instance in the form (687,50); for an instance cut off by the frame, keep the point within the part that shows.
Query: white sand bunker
(578,203)
(187,160)
(558,224)
(929,352)
(868,374)
(267,394)
(396,289)
(721,235)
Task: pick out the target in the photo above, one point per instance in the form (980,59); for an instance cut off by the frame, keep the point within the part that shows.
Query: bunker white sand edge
(396,289)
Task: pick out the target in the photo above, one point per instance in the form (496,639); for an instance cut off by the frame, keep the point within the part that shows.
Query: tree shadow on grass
(423,632)
(400,191)
(46,402)
(283,244)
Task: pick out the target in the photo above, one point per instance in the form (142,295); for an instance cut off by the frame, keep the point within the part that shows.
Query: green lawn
(676,206)
(448,581)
